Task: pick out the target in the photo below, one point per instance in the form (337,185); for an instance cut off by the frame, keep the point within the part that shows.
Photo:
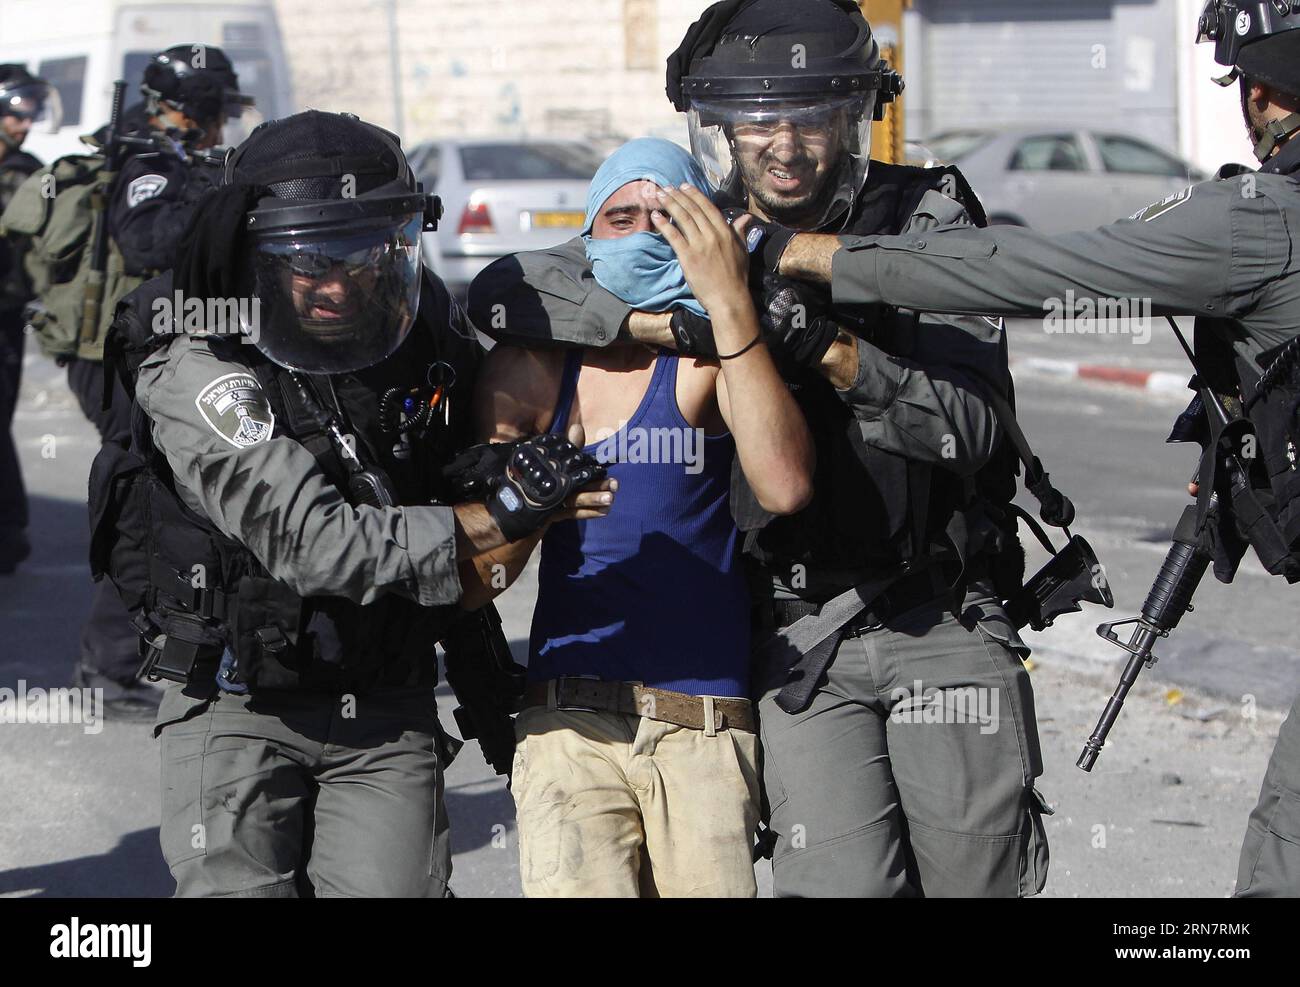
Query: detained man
(636,771)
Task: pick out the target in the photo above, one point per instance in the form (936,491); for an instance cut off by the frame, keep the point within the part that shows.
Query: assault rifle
(1230,516)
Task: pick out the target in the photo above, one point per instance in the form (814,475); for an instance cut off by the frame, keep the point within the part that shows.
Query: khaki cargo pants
(1270,856)
(617,806)
(284,795)
(912,771)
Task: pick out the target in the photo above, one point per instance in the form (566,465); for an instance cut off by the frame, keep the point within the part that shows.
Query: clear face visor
(335,302)
(783,151)
(37,103)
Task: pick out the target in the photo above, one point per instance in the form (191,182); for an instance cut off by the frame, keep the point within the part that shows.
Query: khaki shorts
(617,806)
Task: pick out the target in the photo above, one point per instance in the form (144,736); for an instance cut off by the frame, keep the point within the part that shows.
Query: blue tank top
(655,591)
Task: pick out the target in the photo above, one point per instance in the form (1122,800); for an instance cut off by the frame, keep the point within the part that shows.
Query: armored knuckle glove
(540,475)
(798,330)
(693,333)
(476,473)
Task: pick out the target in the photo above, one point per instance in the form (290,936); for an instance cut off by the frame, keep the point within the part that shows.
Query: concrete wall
(595,67)
(491,67)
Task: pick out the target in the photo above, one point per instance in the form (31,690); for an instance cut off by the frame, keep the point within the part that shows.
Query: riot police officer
(26,101)
(878,598)
(190,93)
(1224,251)
(279,525)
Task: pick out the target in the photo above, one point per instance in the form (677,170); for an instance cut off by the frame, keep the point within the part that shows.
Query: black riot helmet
(780,95)
(335,245)
(197,79)
(29,97)
(1260,41)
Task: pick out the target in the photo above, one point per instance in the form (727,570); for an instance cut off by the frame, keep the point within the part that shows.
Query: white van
(83,46)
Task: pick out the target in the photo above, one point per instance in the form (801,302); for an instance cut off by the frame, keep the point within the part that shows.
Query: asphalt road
(1171,795)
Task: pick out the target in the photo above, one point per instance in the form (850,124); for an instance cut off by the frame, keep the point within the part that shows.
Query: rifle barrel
(1170,598)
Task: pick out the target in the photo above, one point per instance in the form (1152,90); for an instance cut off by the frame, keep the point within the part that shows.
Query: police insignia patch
(236,408)
(1167,204)
(144,188)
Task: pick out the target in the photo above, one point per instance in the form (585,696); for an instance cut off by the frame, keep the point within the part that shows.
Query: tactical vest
(1272,402)
(1267,515)
(15,287)
(874,509)
(58,208)
(204,596)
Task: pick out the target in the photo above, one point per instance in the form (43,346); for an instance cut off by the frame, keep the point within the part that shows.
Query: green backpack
(58,208)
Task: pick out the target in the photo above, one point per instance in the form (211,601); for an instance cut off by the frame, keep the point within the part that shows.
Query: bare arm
(918,387)
(651,328)
(808,257)
(772,439)
(513,396)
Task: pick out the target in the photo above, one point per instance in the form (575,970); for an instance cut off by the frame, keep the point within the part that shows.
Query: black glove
(766,241)
(537,480)
(797,326)
(476,473)
(693,333)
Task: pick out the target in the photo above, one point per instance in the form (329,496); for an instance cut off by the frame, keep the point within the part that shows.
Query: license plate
(563,218)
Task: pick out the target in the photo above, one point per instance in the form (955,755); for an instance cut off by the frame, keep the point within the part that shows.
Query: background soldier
(885,580)
(272,524)
(25,101)
(190,92)
(1224,251)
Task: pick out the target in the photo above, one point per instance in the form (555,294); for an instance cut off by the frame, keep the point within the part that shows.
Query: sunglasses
(315,264)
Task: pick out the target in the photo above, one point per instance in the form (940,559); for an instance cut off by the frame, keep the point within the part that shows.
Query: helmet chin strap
(1275,132)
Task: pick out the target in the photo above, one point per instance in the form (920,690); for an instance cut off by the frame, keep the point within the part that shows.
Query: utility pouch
(177,652)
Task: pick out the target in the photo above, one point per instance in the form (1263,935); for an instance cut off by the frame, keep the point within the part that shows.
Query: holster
(175,652)
(488,684)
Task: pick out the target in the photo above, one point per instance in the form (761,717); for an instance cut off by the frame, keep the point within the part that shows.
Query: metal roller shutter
(994,63)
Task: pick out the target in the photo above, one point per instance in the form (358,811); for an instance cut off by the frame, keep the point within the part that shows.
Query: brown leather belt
(705,713)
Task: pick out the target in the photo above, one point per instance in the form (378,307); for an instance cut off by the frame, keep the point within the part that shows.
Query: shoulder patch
(144,188)
(236,408)
(1167,204)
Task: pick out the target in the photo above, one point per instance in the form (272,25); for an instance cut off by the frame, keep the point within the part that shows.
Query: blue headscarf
(641,268)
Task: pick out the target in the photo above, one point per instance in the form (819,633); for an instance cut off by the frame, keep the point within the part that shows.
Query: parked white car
(1058,179)
(500,197)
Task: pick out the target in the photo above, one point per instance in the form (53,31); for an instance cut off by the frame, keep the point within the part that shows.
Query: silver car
(499,197)
(1058,179)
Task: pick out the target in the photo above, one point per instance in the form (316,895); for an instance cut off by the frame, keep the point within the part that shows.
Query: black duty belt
(908,592)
